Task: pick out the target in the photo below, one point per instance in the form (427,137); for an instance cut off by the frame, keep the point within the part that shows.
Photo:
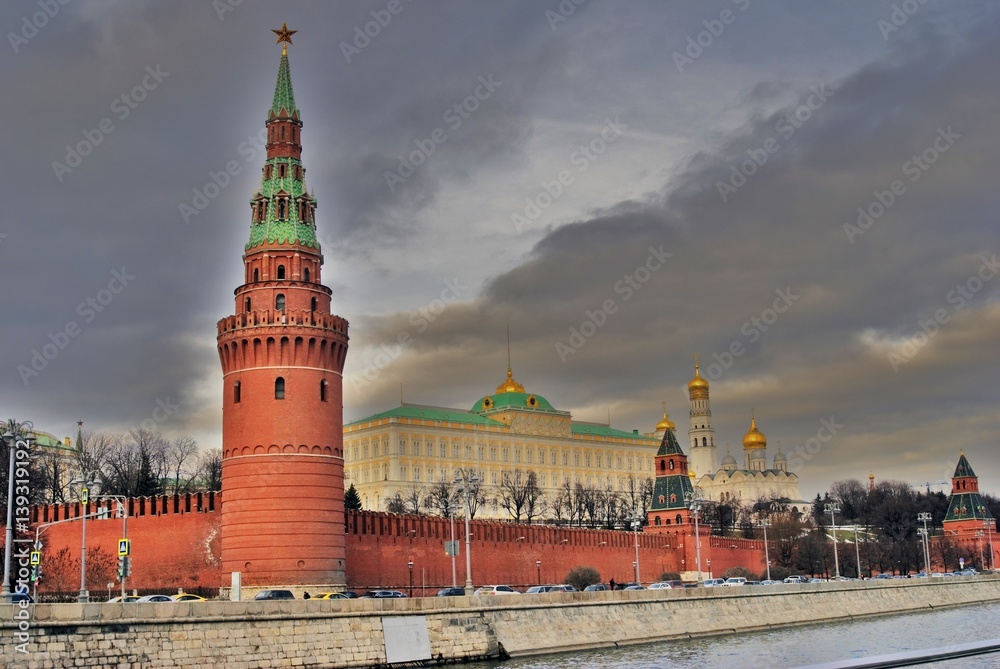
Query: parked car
(497,590)
(451,592)
(770,582)
(752,583)
(188,597)
(350,595)
(383,594)
(154,599)
(330,595)
(882,577)
(634,586)
(128,598)
(596,587)
(538,589)
(815,580)
(563,588)
(735,581)
(274,594)
(660,585)
(624,586)
(795,578)
(713,582)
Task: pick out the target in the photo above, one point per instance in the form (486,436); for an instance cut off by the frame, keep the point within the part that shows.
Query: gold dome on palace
(510,385)
(666,423)
(754,438)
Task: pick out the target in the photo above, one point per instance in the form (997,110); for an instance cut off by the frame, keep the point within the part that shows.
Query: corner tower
(967,512)
(702,434)
(282,355)
(669,506)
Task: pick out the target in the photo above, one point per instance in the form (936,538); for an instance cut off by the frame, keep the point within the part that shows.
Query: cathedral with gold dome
(747,484)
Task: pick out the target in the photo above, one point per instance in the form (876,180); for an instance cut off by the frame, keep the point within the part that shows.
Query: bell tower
(282,355)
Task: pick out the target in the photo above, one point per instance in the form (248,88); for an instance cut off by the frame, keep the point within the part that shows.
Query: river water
(795,646)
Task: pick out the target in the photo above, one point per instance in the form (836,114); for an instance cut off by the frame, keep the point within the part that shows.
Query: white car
(735,581)
(661,585)
(154,598)
(713,582)
(496,590)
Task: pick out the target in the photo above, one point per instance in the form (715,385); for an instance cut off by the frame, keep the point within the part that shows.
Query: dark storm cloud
(775,237)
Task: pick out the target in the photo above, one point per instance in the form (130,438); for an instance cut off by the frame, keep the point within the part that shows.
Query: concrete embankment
(365,633)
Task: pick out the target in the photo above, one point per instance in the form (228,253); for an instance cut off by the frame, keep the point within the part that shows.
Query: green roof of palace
(963,469)
(606,431)
(514,401)
(284,98)
(432,413)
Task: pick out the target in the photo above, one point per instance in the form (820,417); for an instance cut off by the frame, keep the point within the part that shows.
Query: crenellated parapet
(273,317)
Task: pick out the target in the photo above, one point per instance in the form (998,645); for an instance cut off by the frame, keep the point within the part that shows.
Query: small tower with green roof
(967,512)
(669,509)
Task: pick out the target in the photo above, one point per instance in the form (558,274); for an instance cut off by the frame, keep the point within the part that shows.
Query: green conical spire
(284,97)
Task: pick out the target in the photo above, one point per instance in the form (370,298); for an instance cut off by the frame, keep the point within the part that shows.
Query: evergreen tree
(352,500)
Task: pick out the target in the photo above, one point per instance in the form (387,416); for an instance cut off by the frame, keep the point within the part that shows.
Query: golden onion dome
(697,385)
(666,423)
(754,438)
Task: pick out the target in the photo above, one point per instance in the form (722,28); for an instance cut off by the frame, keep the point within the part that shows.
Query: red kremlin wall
(175,544)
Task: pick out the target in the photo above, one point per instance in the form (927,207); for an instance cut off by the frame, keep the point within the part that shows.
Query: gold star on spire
(284,35)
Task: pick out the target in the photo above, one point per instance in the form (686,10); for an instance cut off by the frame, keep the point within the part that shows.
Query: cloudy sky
(634,184)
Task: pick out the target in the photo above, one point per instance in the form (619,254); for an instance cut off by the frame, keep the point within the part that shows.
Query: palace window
(444,450)
(416,474)
(279,388)
(454,451)
(565,459)
(541,457)
(365,450)
(481,451)
(529,456)
(588,459)
(468,452)
(236,392)
(506,455)
(402,447)
(576,459)
(493,454)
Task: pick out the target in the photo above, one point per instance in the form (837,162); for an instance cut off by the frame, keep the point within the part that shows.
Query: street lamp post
(979,539)
(765,523)
(636,522)
(454,545)
(988,524)
(694,500)
(538,569)
(84,596)
(410,566)
(466,483)
(833,509)
(12,438)
(925,518)
(857,549)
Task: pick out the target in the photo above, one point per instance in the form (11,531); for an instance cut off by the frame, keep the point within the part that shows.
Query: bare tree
(177,453)
(412,500)
(395,504)
(534,498)
(136,464)
(210,470)
(442,499)
(519,494)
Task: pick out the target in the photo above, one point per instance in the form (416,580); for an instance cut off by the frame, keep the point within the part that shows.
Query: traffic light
(36,573)
(121,568)
(128,566)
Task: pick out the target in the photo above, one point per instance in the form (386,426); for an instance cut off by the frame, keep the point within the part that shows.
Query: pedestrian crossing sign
(123,547)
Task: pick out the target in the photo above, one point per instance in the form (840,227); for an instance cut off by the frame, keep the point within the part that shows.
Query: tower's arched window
(704,441)
(279,302)
(267,171)
(281,271)
(281,208)
(281,167)
(256,274)
(247,303)
(236,392)
(661,465)
(313,304)
(671,465)
(282,136)
(322,390)
(305,274)
(279,388)
(656,521)
(678,519)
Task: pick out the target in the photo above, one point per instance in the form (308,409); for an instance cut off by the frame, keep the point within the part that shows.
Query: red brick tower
(282,359)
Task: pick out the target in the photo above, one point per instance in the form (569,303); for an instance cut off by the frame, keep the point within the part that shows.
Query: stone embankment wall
(349,633)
